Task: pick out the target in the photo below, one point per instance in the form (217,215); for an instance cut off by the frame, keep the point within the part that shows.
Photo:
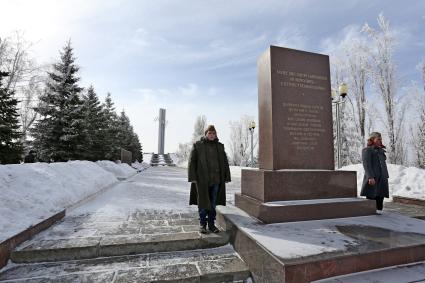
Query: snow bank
(120,170)
(31,193)
(404,181)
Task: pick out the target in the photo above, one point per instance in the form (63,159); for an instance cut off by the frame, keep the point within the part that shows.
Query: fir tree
(125,132)
(59,133)
(127,139)
(111,146)
(136,148)
(95,127)
(10,144)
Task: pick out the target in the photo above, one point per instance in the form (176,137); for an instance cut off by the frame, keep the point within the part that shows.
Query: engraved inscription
(302,80)
(303,126)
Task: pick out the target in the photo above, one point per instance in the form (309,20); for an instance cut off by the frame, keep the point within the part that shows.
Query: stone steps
(94,236)
(220,264)
(161,159)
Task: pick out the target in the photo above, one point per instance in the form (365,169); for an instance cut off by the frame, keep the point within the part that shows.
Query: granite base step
(408,273)
(304,210)
(220,264)
(306,251)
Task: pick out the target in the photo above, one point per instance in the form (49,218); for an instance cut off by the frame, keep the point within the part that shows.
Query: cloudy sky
(197,57)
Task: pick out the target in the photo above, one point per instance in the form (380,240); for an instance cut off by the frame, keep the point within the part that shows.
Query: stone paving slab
(220,264)
(95,277)
(186,273)
(223,270)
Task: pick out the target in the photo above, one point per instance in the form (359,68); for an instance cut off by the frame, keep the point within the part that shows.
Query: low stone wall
(408,200)
(10,244)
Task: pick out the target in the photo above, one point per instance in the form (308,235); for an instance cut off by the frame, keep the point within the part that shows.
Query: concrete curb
(10,244)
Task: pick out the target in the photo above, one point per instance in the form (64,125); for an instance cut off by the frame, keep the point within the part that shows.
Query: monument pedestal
(274,196)
(314,235)
(303,210)
(296,180)
(279,185)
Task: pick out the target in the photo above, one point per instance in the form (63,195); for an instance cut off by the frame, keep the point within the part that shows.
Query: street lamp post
(338,98)
(251,128)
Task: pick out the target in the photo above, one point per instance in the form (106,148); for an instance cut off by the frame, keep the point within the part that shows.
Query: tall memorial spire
(161,131)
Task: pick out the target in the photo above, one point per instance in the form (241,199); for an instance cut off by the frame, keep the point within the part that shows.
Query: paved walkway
(141,230)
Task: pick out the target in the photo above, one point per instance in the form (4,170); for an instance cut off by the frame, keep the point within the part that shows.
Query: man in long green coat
(208,173)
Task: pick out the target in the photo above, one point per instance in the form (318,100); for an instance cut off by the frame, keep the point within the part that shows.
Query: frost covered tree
(353,113)
(183,152)
(419,137)
(15,60)
(24,79)
(199,128)
(240,141)
(29,101)
(419,140)
(357,55)
(384,78)
(349,136)
(351,142)
(10,144)
(184,149)
(59,132)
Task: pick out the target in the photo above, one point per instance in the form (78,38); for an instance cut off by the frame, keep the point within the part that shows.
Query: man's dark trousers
(203,213)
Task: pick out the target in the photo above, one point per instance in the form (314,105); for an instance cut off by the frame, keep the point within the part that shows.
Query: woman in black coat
(375,181)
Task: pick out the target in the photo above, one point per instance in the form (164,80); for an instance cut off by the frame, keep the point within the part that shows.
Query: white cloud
(334,44)
(292,37)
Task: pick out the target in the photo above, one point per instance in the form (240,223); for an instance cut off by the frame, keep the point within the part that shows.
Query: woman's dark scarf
(371,143)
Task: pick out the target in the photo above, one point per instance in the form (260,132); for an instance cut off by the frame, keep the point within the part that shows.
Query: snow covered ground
(157,188)
(33,192)
(404,181)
